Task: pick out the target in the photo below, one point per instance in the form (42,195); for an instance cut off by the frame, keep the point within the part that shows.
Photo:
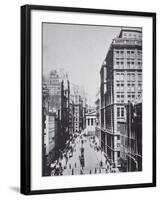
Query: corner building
(121,82)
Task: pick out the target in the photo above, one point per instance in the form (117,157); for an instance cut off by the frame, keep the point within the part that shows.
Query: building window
(118,98)
(128,52)
(118,87)
(91,121)
(117,64)
(122,88)
(122,77)
(128,64)
(132,89)
(133,96)
(122,112)
(117,52)
(133,77)
(139,86)
(118,112)
(128,77)
(118,76)
(139,77)
(128,87)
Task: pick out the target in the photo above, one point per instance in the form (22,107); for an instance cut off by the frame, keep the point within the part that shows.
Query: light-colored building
(50,137)
(90,123)
(121,81)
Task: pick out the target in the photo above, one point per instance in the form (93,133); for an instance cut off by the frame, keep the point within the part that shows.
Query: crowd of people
(60,165)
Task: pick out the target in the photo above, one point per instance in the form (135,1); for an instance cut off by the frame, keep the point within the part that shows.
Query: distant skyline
(80,50)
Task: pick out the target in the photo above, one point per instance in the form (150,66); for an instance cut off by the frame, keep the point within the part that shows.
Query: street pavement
(92,158)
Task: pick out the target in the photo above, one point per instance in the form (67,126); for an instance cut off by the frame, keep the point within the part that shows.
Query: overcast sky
(80,50)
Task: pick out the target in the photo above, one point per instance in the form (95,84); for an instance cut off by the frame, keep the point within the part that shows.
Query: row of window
(128,63)
(130,87)
(129,52)
(128,84)
(130,76)
(134,35)
(120,98)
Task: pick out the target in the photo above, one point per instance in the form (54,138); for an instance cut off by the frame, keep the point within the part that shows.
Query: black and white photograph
(92,98)
(88,101)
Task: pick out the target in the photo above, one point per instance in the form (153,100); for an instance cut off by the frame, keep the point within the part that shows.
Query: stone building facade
(121,81)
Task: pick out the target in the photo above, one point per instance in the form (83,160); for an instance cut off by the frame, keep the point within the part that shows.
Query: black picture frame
(26,98)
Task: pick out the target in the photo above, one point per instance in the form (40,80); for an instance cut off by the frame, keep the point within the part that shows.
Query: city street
(83,157)
(82,117)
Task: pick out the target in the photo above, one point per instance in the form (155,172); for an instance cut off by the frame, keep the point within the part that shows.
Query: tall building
(98,119)
(121,81)
(54,86)
(79,108)
(58,87)
(65,100)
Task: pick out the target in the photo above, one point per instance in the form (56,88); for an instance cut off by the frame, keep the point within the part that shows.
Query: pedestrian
(52,172)
(70,166)
(101,163)
(90,171)
(95,171)
(66,158)
(75,164)
(72,171)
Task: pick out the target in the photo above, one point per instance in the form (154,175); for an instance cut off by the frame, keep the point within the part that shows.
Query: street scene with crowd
(83,155)
(91,112)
